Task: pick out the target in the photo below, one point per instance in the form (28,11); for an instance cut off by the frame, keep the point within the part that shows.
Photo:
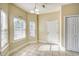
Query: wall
(47,17)
(67,10)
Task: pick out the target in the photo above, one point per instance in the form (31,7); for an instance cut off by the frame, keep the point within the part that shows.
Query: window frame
(2,48)
(33,29)
(19,39)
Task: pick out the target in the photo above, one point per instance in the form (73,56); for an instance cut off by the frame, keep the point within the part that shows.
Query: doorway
(52,32)
(49,35)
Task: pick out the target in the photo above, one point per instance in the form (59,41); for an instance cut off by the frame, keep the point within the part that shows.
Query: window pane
(32,28)
(4,29)
(19,28)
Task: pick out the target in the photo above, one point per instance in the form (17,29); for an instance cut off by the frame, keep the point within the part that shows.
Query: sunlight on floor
(51,48)
(44,48)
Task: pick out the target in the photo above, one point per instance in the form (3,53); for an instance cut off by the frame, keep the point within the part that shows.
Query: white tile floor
(44,50)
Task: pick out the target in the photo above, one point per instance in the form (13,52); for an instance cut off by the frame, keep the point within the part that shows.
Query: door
(72,33)
(52,31)
(49,34)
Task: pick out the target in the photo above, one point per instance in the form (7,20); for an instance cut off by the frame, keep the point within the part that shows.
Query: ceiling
(49,7)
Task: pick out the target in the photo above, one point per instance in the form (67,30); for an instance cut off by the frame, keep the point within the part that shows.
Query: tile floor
(44,50)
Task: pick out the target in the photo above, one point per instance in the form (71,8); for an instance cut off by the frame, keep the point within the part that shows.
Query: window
(32,28)
(4,29)
(19,28)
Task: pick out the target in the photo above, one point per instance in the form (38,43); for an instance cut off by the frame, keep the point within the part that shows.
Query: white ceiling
(50,7)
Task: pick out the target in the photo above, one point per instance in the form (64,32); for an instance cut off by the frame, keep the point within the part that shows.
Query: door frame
(0,32)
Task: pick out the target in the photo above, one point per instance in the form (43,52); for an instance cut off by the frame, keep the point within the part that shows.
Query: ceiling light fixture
(35,10)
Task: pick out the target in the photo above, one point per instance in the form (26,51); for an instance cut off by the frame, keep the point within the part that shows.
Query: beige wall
(67,10)
(47,17)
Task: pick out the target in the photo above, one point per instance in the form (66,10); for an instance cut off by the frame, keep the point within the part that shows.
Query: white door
(72,33)
(68,32)
(52,30)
